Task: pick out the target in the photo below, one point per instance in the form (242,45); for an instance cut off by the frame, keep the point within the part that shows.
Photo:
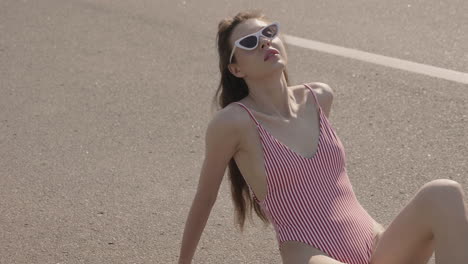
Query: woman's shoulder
(226,123)
(324,94)
(232,114)
(320,88)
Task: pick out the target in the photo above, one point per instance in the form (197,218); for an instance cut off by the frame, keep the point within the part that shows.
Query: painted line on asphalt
(451,75)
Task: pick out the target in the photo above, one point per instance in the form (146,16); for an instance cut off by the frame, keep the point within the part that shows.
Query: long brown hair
(232,89)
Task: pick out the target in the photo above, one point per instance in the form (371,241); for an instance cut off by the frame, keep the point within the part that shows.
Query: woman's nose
(265,42)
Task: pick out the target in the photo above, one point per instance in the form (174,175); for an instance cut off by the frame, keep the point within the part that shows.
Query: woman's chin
(279,65)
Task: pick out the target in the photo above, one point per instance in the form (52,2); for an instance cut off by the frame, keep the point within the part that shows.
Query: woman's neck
(272,96)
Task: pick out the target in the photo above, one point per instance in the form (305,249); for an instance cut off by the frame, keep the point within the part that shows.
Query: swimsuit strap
(250,113)
(315,97)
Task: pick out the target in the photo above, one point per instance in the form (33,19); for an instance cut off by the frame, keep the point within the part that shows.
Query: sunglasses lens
(270,31)
(249,42)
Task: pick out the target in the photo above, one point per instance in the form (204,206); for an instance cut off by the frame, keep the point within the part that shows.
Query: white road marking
(460,77)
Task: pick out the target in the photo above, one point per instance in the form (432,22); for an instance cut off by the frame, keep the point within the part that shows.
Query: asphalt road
(104,106)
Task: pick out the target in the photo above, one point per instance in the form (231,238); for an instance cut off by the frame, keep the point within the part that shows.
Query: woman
(286,162)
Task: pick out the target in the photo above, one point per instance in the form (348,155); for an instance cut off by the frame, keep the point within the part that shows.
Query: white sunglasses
(251,41)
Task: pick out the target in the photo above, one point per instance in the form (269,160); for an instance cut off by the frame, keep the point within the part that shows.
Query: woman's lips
(269,53)
(270,56)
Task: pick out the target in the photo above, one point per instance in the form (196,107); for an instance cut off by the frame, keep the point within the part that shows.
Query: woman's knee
(441,191)
(443,185)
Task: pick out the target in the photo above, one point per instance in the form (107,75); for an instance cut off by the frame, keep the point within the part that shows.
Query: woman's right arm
(221,143)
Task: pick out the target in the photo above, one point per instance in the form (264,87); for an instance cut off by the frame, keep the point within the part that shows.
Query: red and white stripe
(311,200)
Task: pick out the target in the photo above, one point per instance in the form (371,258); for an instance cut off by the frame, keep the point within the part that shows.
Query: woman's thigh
(409,238)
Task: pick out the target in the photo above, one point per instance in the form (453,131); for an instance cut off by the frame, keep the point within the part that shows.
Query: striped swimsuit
(311,200)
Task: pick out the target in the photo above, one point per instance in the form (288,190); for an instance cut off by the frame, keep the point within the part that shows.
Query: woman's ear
(235,70)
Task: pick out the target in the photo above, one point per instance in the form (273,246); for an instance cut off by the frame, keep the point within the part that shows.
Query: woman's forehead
(247,27)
